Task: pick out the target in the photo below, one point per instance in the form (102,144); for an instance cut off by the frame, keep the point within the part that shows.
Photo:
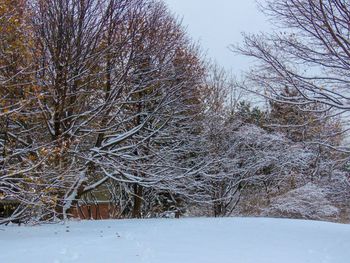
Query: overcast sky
(217,24)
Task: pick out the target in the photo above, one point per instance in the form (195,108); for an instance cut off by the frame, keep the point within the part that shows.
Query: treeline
(111,100)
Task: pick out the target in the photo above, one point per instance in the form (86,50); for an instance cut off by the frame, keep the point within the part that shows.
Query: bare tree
(153,112)
(308,54)
(302,69)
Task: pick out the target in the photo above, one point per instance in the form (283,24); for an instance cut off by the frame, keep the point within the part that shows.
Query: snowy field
(236,240)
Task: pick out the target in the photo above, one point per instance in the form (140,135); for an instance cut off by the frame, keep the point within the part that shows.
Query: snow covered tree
(308,56)
(113,99)
(18,156)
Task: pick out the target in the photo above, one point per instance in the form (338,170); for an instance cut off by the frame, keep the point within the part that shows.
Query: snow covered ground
(236,240)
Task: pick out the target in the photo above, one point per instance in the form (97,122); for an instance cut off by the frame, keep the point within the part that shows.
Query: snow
(236,240)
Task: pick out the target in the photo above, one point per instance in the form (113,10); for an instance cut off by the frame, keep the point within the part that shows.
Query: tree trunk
(138,190)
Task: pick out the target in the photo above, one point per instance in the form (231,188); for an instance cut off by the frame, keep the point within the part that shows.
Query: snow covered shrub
(268,160)
(306,202)
(338,192)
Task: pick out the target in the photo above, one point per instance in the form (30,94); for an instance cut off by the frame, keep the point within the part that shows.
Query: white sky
(218,23)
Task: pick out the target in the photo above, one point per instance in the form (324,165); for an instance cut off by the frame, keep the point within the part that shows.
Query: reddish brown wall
(94,211)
